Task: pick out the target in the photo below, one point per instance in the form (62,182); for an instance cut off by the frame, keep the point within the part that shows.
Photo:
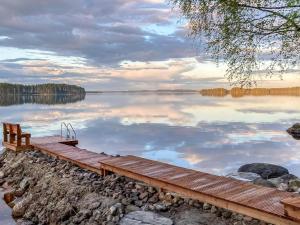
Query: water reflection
(215,135)
(7,100)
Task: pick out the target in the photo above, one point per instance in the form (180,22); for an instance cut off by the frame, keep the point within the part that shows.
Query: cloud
(105,33)
(124,44)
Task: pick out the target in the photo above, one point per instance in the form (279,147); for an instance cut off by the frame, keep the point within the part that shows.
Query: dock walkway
(267,204)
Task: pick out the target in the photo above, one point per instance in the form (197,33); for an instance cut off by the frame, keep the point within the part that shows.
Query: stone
(283,179)
(161,196)
(176,199)
(265,170)
(226,214)
(20,207)
(160,207)
(283,187)
(214,209)
(196,217)
(197,204)
(115,208)
(145,218)
(168,197)
(125,201)
(131,208)
(8,196)
(25,183)
(264,183)
(206,206)
(294,130)
(153,199)
(143,195)
(1,174)
(294,185)
(151,189)
(244,176)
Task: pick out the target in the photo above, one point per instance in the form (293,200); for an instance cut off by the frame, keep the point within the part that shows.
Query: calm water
(212,134)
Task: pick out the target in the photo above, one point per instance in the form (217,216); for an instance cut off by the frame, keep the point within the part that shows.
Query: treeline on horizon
(40,89)
(240,92)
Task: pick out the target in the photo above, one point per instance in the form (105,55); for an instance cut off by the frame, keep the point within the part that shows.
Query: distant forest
(40,89)
(240,92)
(49,94)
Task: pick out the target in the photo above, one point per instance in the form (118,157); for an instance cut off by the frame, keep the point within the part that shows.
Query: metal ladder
(68,129)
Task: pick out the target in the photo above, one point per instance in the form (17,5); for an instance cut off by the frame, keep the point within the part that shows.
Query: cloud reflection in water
(210,134)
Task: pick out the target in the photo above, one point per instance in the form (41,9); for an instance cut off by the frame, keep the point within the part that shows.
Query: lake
(211,134)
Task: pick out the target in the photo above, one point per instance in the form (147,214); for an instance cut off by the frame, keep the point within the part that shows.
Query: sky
(106,45)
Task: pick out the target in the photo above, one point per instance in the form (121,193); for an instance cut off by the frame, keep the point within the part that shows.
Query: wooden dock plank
(81,157)
(53,139)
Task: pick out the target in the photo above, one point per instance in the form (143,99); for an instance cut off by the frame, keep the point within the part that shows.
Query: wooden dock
(267,204)
(256,201)
(65,149)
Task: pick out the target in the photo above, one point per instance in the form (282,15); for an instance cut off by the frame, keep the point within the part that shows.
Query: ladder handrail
(67,128)
(75,135)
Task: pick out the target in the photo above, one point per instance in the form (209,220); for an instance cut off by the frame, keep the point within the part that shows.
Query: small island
(48,94)
(240,92)
(40,89)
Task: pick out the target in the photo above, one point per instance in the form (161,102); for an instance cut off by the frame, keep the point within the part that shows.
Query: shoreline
(41,182)
(83,197)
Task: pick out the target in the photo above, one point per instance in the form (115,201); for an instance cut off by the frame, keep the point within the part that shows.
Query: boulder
(21,206)
(9,196)
(283,179)
(197,217)
(294,185)
(145,218)
(265,170)
(25,183)
(244,176)
(262,182)
(295,129)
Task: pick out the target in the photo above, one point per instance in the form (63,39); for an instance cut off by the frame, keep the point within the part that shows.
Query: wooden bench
(13,137)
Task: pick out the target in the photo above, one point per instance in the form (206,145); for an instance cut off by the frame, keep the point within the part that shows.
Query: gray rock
(206,206)
(244,176)
(131,208)
(145,218)
(294,185)
(282,187)
(226,214)
(283,179)
(196,217)
(25,183)
(160,207)
(264,183)
(20,207)
(265,170)
(294,130)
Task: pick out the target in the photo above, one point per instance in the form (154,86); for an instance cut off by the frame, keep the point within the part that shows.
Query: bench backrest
(10,128)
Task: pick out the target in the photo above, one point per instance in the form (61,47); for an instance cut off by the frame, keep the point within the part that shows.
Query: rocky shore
(44,190)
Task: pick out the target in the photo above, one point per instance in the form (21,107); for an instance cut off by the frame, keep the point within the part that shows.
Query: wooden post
(19,136)
(12,135)
(5,138)
(27,140)
(292,208)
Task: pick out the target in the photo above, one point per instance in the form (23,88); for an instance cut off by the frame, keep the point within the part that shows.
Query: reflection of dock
(267,204)
(240,92)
